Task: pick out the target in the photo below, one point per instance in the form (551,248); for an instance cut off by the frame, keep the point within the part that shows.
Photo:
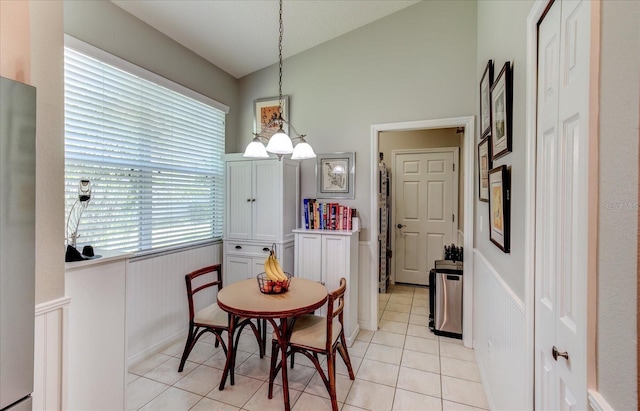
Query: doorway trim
(455,204)
(468,123)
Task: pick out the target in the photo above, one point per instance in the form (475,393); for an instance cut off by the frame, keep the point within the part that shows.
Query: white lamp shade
(303,151)
(280,143)
(255,149)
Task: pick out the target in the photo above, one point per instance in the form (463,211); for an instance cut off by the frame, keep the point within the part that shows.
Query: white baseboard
(49,349)
(352,338)
(597,402)
(156,348)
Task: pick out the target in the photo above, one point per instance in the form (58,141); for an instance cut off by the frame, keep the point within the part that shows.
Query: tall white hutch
(262,208)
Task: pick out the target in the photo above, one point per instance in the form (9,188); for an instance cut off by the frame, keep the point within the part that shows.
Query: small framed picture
(335,175)
(265,110)
(499,207)
(484,165)
(485,99)
(501,111)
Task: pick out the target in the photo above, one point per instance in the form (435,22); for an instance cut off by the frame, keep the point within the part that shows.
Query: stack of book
(327,216)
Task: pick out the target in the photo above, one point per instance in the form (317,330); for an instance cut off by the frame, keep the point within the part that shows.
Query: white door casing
(561,234)
(370,282)
(425,203)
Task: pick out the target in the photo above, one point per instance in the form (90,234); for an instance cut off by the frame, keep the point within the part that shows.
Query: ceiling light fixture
(280,143)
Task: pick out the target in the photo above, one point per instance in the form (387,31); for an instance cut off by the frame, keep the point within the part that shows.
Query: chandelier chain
(280,63)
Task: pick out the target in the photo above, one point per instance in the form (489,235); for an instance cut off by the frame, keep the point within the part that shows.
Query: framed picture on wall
(266,109)
(484,165)
(485,99)
(499,207)
(335,175)
(501,112)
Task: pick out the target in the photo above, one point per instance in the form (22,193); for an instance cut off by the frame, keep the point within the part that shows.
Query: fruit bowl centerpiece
(273,280)
(268,286)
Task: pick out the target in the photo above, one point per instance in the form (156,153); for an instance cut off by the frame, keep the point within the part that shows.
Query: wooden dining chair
(312,335)
(212,318)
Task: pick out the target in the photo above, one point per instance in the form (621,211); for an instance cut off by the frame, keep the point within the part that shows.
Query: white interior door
(561,207)
(424,211)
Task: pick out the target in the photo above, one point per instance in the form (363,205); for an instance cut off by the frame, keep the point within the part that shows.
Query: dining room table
(244,299)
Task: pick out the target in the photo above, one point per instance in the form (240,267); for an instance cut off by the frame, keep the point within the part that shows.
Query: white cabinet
(326,256)
(248,260)
(97,341)
(261,209)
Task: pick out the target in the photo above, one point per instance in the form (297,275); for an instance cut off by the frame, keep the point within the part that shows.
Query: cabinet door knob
(238,247)
(401,225)
(266,249)
(253,200)
(248,200)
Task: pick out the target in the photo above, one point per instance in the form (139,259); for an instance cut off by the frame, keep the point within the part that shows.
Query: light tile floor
(401,367)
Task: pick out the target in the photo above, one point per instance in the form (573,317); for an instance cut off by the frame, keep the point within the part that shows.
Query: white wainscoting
(49,354)
(157,309)
(499,338)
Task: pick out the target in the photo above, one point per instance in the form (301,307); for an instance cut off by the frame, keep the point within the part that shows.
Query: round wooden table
(244,299)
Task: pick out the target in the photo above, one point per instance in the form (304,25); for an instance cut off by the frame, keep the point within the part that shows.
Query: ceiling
(241,36)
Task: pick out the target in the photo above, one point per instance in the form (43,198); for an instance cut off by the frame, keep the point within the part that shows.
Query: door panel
(561,206)
(267,189)
(239,177)
(424,208)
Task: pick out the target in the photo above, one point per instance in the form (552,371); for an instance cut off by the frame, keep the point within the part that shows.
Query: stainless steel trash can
(448,298)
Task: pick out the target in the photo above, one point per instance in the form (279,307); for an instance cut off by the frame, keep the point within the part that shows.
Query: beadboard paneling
(48,355)
(157,309)
(499,338)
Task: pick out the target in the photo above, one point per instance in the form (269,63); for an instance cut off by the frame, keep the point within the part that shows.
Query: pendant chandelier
(280,143)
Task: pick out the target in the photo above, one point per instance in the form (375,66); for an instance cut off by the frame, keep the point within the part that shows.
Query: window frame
(135,70)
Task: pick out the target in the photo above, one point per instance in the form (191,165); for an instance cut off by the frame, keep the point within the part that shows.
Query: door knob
(557,354)
(401,225)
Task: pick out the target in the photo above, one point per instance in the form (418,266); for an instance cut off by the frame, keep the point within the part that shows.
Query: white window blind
(153,156)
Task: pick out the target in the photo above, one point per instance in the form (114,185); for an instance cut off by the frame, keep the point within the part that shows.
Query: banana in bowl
(273,280)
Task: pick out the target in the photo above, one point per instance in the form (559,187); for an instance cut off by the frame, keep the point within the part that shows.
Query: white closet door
(561,207)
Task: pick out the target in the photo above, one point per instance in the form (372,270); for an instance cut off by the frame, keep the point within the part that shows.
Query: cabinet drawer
(238,247)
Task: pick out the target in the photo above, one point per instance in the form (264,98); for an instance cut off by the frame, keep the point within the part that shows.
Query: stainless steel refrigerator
(17,243)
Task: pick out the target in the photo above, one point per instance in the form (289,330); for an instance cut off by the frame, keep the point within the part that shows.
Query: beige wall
(415,139)
(617,338)
(15,44)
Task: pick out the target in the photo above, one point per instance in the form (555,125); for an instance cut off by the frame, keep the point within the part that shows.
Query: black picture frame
(484,165)
(485,99)
(500,207)
(501,112)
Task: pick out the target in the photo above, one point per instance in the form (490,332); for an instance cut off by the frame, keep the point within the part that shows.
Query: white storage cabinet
(326,256)
(262,204)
